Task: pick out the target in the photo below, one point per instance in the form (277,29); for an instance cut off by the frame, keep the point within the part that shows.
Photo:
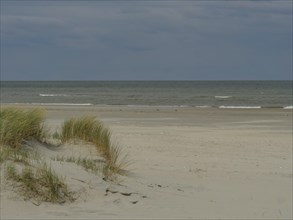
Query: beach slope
(188,163)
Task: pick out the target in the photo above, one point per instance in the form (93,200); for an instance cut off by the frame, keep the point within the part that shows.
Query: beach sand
(188,163)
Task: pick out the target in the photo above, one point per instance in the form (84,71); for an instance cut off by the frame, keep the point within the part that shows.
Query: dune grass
(87,163)
(18,155)
(33,178)
(89,129)
(40,183)
(18,125)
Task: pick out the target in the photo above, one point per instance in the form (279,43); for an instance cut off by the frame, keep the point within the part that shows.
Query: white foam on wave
(203,106)
(154,106)
(63,104)
(288,107)
(52,95)
(222,97)
(241,107)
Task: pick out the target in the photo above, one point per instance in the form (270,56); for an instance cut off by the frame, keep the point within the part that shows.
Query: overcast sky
(146,40)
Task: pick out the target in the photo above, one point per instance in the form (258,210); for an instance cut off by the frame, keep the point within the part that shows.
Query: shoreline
(290,107)
(163,112)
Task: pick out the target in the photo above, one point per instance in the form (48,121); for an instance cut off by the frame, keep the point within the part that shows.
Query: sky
(146,40)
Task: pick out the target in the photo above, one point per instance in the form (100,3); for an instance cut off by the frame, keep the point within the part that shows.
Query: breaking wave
(288,107)
(222,97)
(241,107)
(53,95)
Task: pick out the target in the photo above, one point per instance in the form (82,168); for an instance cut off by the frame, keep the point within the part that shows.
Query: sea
(197,94)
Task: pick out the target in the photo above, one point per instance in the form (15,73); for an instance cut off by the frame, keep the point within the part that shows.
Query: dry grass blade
(90,130)
(17,126)
(40,184)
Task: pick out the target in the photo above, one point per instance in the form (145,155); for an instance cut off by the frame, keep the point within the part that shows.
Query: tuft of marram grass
(33,179)
(84,128)
(18,125)
(86,163)
(18,155)
(40,184)
(88,129)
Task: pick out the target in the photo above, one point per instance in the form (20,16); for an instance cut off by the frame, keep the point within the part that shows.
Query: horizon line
(143,80)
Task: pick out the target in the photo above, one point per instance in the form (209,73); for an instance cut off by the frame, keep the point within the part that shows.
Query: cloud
(146,40)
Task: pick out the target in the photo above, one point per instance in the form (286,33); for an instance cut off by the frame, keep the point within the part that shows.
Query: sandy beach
(188,163)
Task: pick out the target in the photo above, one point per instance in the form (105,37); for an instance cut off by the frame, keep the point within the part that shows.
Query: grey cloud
(142,40)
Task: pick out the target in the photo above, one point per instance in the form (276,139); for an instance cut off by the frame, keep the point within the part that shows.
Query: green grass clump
(84,128)
(33,179)
(23,166)
(40,184)
(86,163)
(18,125)
(18,155)
(88,129)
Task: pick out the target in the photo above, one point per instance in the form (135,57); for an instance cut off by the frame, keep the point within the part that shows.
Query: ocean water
(220,94)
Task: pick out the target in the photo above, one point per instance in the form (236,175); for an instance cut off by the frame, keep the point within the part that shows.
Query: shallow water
(223,94)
